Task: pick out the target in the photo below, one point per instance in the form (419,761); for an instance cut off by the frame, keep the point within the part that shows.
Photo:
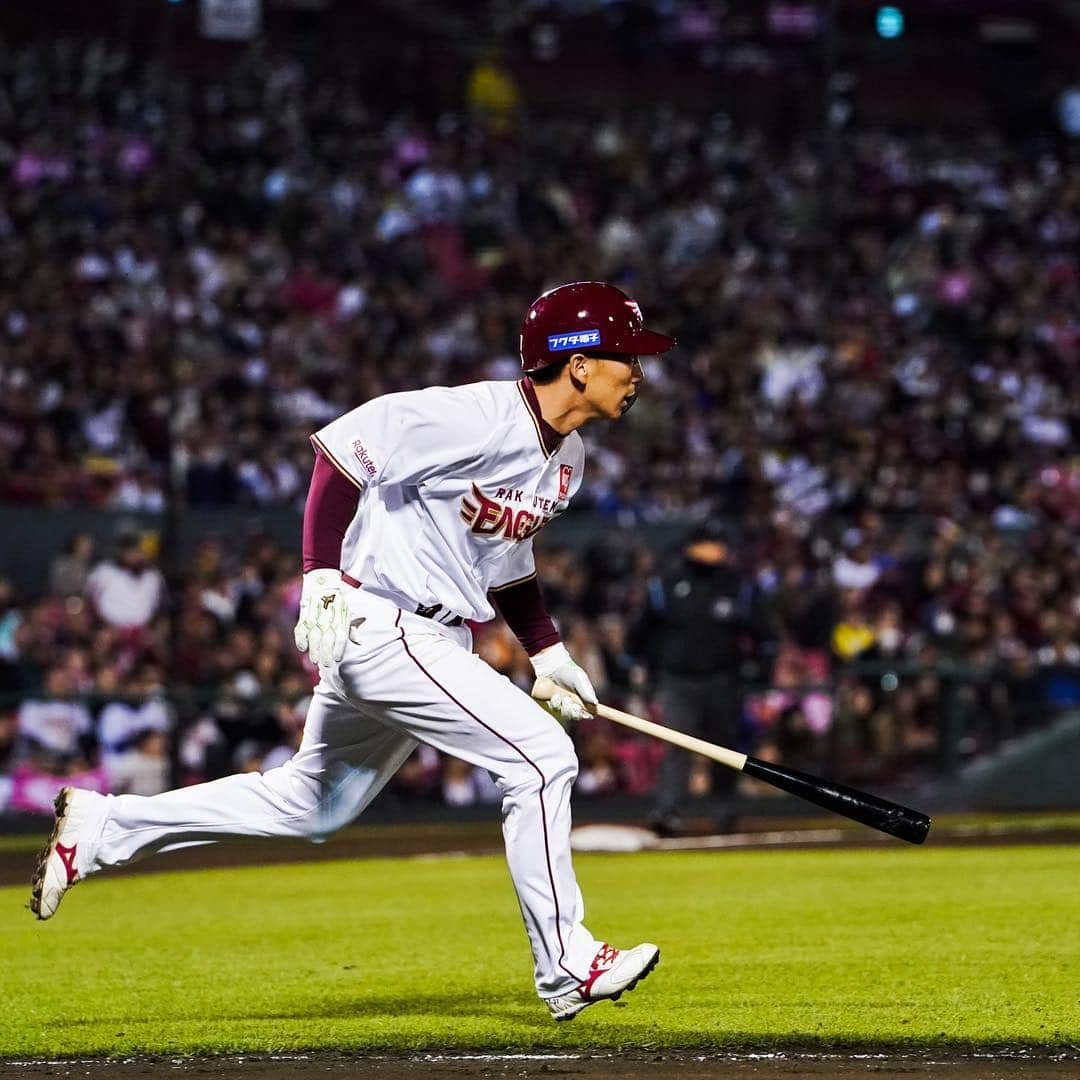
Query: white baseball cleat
(56,870)
(613,972)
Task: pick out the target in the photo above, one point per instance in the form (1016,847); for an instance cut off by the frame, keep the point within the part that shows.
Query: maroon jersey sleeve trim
(511,584)
(329,510)
(320,448)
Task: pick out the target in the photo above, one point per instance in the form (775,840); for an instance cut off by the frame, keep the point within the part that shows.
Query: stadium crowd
(874,385)
(852,661)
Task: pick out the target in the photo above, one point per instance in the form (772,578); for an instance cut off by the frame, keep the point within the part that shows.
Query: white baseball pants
(403,679)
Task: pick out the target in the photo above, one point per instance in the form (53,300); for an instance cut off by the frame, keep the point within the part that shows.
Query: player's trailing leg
(57,867)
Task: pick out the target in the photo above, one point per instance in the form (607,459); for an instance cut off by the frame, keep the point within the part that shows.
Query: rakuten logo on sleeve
(363,457)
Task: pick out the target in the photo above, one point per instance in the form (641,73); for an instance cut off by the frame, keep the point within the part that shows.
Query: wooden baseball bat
(887,817)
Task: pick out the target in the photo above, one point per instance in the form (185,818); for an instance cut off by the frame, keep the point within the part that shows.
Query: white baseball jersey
(455,482)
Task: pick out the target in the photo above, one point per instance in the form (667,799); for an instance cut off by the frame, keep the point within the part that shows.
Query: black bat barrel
(887,817)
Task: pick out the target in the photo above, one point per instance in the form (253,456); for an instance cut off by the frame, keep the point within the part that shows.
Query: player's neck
(563,407)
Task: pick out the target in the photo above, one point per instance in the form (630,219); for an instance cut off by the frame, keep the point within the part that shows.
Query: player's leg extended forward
(343,762)
(432,687)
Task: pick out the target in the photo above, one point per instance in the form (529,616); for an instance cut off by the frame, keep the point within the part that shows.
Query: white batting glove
(322,630)
(572,686)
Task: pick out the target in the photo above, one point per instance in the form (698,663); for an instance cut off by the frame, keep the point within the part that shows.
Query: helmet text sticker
(578,339)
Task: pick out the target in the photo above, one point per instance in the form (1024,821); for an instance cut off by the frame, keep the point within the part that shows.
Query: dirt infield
(780,1066)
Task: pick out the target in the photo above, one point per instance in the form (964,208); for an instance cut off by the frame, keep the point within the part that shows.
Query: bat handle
(543,688)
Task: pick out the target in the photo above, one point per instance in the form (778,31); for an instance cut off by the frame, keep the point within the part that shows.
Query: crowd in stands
(875,384)
(101,673)
(858,677)
(327,250)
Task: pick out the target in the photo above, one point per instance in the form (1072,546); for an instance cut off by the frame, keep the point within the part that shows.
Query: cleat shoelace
(605,957)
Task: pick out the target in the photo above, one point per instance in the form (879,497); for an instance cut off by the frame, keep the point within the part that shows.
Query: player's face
(612,384)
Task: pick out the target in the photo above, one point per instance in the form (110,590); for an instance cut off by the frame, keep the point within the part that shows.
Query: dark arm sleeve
(331,505)
(522,606)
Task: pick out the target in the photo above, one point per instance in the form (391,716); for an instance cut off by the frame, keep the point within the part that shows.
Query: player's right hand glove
(572,688)
(322,630)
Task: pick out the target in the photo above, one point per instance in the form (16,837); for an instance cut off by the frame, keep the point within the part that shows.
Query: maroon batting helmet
(585,316)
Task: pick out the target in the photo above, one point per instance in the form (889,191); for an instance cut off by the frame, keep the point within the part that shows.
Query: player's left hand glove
(573,688)
(322,630)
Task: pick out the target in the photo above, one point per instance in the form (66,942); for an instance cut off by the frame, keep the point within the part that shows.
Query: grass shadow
(521,1009)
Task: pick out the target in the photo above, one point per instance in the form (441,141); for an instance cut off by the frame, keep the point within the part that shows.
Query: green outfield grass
(883,947)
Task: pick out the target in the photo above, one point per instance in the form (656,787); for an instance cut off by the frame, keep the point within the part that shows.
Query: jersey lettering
(489,517)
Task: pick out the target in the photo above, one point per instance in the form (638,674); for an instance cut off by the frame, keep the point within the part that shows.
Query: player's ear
(579,367)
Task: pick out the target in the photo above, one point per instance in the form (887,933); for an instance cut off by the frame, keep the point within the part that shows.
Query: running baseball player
(420,516)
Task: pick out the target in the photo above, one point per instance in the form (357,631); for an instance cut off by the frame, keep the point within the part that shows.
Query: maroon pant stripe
(543,784)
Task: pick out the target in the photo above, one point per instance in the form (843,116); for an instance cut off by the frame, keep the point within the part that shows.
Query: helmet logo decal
(577,340)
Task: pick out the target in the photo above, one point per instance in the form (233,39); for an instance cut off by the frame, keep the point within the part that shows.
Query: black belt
(431,611)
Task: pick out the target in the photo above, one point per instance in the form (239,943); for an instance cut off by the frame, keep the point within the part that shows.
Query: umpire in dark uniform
(698,622)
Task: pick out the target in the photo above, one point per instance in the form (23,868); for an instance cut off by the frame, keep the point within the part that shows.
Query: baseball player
(420,516)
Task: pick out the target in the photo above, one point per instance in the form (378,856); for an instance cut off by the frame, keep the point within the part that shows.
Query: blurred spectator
(598,767)
(70,569)
(133,759)
(126,591)
(464,784)
(419,777)
(853,634)
(247,757)
(10,619)
(492,94)
(291,717)
(56,724)
(9,729)
(203,751)
(143,767)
